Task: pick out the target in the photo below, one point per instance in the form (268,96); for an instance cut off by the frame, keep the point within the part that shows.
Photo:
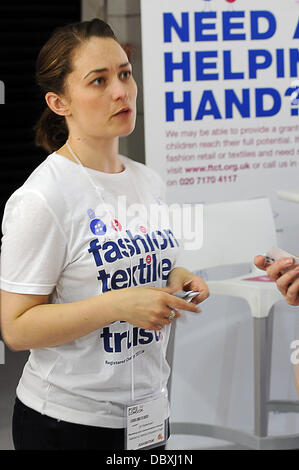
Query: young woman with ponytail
(89,296)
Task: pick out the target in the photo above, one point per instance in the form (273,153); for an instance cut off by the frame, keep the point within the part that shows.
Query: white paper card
(146,424)
(276,253)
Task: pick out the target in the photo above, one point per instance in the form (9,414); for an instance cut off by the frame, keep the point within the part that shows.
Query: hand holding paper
(283,268)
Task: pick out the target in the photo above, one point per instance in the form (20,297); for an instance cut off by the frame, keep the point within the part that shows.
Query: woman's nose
(119,90)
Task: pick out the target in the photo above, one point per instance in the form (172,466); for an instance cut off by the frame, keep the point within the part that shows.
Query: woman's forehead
(98,53)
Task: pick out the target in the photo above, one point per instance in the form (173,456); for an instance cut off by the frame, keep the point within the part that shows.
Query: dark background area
(24,27)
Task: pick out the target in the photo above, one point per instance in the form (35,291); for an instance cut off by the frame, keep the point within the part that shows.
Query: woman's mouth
(122,113)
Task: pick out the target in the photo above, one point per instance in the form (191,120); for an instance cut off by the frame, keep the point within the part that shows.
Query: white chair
(234,232)
(288,195)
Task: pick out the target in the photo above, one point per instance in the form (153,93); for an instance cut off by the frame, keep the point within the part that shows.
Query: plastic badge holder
(147,423)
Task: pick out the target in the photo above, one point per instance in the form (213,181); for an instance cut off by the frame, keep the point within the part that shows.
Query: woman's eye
(127,74)
(99,81)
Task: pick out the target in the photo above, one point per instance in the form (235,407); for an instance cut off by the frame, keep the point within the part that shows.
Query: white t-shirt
(58,239)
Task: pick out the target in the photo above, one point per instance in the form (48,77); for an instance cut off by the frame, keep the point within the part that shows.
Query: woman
(91,355)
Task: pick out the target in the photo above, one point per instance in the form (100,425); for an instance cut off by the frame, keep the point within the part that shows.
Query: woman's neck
(97,155)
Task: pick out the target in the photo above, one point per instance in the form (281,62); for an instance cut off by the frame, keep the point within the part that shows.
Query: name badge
(146,424)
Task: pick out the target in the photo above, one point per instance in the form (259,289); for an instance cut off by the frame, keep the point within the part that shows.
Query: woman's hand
(287,281)
(149,307)
(182,279)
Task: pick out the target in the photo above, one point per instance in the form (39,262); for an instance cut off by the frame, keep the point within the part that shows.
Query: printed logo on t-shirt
(91,214)
(98,227)
(141,228)
(118,341)
(116,225)
(142,257)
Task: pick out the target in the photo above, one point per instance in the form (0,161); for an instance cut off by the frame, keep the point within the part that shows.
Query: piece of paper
(146,424)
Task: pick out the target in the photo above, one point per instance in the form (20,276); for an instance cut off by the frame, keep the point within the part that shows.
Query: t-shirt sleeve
(33,245)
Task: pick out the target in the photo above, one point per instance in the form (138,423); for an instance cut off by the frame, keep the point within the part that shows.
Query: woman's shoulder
(43,187)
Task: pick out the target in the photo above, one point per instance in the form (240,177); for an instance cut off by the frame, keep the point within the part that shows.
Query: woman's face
(101,91)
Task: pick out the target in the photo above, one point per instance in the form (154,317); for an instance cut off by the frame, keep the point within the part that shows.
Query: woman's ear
(57,104)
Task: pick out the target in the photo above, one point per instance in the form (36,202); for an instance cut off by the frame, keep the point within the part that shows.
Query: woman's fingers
(203,295)
(152,306)
(181,304)
(197,284)
(286,281)
(284,274)
(260,262)
(292,295)
(171,314)
(167,289)
(174,302)
(278,268)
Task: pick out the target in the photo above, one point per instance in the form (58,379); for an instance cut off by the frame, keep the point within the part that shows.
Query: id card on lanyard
(146,423)
(147,419)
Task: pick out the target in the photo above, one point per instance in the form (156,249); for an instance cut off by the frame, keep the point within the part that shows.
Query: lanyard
(99,190)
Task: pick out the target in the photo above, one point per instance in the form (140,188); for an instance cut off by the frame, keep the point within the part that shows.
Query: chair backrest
(234,232)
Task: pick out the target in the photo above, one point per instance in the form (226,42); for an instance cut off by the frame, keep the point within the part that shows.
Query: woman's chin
(127,131)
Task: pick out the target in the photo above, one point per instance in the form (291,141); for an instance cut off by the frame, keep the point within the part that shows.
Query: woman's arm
(28,322)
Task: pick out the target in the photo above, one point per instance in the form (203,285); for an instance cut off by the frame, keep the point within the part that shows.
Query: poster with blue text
(221,96)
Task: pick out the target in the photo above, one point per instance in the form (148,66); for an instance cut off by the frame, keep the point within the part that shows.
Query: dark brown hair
(53,64)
